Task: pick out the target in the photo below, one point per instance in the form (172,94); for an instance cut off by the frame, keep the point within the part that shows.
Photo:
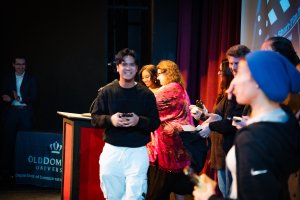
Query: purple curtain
(206,30)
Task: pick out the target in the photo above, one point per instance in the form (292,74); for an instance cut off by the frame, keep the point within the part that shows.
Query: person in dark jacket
(267,150)
(285,47)
(128,112)
(219,124)
(18,93)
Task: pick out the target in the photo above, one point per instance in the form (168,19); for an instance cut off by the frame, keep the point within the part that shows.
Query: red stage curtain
(206,30)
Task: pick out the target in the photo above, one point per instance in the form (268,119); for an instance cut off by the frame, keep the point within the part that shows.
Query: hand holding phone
(200,104)
(198,111)
(239,122)
(237,119)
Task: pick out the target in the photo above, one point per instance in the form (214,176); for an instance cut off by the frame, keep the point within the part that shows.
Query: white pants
(123,172)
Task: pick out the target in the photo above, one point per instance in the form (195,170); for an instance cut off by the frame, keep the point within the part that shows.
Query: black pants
(161,183)
(14,120)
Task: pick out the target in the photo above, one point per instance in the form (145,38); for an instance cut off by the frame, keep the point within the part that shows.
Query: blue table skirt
(39,158)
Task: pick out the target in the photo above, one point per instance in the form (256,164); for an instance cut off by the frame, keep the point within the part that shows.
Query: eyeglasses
(161,72)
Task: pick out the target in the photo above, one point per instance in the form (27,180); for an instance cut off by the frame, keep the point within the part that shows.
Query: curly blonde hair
(171,71)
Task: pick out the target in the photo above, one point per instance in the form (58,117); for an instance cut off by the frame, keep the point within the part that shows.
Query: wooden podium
(82,145)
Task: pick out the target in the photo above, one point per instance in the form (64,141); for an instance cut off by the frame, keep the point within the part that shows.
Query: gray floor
(25,192)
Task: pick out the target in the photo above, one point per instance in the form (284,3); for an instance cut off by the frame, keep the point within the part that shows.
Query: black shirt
(140,100)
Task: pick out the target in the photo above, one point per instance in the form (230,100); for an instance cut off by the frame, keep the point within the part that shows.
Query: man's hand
(197,112)
(240,122)
(131,121)
(119,121)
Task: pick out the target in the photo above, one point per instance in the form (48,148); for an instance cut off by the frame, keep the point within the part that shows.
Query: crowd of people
(266,150)
(252,134)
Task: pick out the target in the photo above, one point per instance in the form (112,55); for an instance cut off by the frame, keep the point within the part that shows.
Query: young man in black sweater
(128,112)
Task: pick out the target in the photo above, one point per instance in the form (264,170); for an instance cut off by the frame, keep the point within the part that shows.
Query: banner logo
(55,147)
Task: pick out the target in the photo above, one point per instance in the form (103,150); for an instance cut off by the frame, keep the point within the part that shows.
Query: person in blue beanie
(267,150)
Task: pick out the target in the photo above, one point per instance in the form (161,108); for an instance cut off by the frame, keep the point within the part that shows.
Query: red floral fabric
(166,146)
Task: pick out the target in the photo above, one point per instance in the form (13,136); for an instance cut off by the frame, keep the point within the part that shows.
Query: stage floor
(26,192)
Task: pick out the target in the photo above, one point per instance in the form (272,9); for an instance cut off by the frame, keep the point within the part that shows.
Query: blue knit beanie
(274,74)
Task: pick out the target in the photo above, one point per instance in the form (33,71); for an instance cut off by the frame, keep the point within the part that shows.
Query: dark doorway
(129,25)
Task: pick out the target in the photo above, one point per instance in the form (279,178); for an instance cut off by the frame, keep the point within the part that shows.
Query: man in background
(18,93)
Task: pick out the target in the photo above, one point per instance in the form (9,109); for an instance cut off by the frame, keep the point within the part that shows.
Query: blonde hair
(171,71)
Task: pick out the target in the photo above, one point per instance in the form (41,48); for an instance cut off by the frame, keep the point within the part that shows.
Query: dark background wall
(164,33)
(69,46)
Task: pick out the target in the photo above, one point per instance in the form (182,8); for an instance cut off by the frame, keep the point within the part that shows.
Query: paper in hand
(191,128)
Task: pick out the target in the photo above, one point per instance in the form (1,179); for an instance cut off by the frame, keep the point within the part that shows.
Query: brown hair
(171,71)
(227,77)
(238,51)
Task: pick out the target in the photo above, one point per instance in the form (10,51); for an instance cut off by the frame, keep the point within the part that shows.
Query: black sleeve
(223,126)
(31,96)
(255,178)
(6,88)
(99,118)
(151,121)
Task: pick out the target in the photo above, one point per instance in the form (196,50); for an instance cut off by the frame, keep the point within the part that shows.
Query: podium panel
(90,148)
(82,146)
